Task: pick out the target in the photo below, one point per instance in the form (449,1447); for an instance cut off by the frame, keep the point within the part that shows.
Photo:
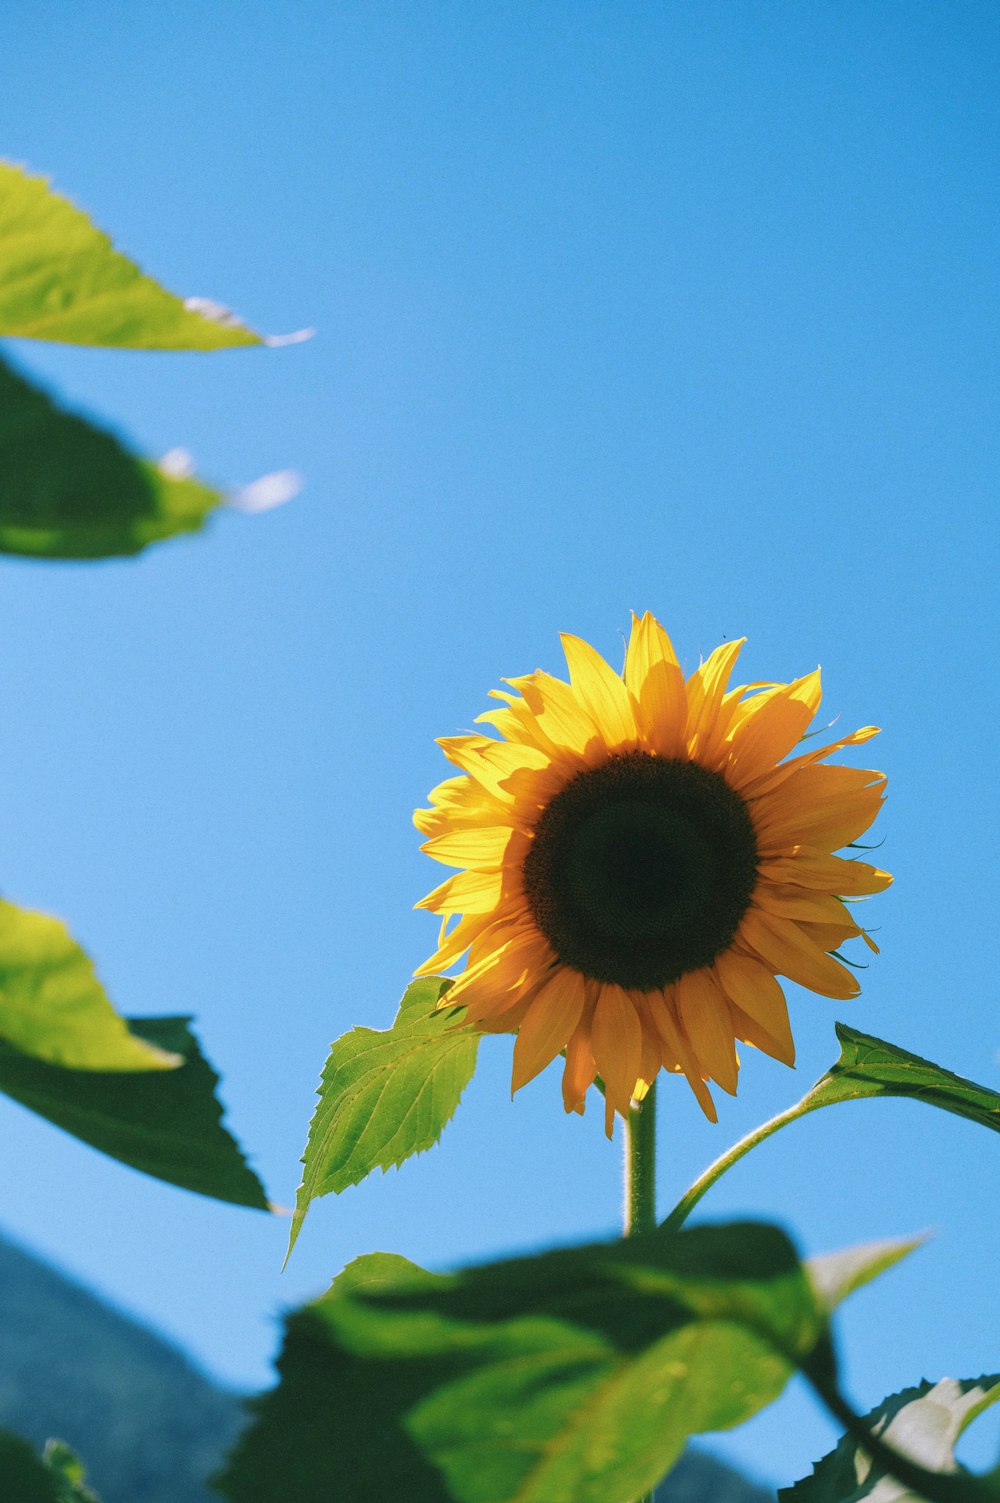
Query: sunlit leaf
(56,1477)
(52,1005)
(69,489)
(168,1123)
(61,279)
(869,1066)
(385,1096)
(573,1375)
(924,1423)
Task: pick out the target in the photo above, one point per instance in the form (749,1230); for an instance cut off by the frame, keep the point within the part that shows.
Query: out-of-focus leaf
(52,1005)
(924,1423)
(56,1477)
(573,1375)
(168,1124)
(68,489)
(387,1095)
(61,279)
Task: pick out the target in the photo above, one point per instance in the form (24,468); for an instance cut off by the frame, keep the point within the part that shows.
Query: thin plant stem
(704,1182)
(640,1178)
(640,1166)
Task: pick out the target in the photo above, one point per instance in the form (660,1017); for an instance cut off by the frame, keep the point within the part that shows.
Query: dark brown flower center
(641,869)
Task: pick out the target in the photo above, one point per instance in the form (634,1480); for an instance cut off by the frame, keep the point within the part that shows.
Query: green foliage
(573,1375)
(52,1005)
(61,279)
(168,1124)
(924,1422)
(68,489)
(57,1477)
(387,1095)
(870,1067)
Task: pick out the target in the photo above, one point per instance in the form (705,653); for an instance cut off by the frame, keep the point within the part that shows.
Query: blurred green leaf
(924,1423)
(69,489)
(52,1005)
(58,1477)
(386,1095)
(167,1124)
(61,279)
(869,1066)
(573,1375)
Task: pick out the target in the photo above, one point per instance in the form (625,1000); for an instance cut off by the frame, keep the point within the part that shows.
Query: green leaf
(57,1477)
(61,279)
(867,1067)
(924,1423)
(167,1124)
(71,490)
(576,1375)
(385,1096)
(52,1005)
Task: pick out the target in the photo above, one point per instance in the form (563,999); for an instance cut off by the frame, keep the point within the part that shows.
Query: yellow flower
(639,865)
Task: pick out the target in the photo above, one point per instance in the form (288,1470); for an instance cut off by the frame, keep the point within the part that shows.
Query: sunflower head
(640,859)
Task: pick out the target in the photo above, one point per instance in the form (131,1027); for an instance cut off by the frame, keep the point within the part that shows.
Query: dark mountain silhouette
(148,1425)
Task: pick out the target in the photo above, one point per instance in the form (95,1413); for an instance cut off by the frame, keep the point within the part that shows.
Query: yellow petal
(824,807)
(762,739)
(749,1031)
(806,867)
(493,981)
(676,1049)
(580,1071)
(616,1039)
(460,802)
(454,944)
(479,849)
(706,689)
(550,1021)
(652,1049)
(654,677)
(768,781)
(465,892)
(558,713)
(701,1006)
(489,762)
(829,936)
(602,692)
(784,946)
(756,991)
(799,903)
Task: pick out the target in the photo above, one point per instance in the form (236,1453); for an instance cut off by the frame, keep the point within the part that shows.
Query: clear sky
(680,306)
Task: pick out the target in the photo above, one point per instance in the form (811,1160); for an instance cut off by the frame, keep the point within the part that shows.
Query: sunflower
(640,863)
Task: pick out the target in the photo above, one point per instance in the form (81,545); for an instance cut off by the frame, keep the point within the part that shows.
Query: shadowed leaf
(57,1477)
(168,1124)
(69,489)
(574,1375)
(924,1423)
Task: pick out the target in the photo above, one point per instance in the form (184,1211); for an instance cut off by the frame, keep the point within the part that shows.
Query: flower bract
(641,857)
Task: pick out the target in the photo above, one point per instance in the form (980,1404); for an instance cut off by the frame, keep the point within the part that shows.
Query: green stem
(640,1166)
(704,1182)
(640,1179)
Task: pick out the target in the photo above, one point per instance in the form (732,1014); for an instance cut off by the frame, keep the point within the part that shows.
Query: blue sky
(670,306)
